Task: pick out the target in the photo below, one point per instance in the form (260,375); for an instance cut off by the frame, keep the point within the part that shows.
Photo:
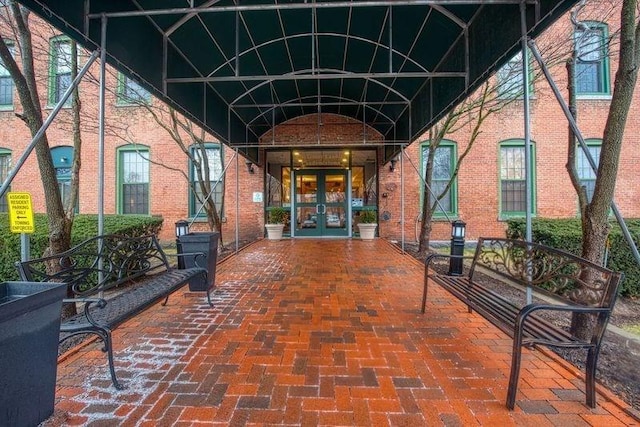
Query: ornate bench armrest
(195,255)
(88,302)
(531,308)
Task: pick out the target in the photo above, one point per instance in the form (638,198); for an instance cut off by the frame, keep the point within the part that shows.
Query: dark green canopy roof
(239,68)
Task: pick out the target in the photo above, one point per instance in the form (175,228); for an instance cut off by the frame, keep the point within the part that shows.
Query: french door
(321,201)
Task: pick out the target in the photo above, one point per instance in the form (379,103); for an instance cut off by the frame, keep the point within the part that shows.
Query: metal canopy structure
(239,68)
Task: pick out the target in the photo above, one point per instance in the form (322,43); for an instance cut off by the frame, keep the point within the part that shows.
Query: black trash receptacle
(200,242)
(29,329)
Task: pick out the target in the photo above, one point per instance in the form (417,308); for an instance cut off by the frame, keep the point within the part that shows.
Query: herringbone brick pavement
(319,332)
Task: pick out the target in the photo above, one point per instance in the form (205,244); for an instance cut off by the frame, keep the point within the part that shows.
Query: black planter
(29,329)
(200,242)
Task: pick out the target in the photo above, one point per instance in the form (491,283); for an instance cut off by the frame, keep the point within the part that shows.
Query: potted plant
(276,218)
(367,223)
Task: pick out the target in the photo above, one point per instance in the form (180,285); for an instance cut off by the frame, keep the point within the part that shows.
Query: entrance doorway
(324,190)
(321,203)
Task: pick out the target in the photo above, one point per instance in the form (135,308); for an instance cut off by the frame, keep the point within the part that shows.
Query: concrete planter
(367,231)
(274,231)
(29,329)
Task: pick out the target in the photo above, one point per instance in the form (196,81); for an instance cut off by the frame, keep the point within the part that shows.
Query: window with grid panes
(443,166)
(62,157)
(592,65)
(513,179)
(60,66)
(216,179)
(510,79)
(6,83)
(130,91)
(133,175)
(585,173)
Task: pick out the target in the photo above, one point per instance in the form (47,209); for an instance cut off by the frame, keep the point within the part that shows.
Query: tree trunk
(595,227)
(27,90)
(427,210)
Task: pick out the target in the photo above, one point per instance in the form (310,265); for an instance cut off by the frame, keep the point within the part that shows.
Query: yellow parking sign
(20,213)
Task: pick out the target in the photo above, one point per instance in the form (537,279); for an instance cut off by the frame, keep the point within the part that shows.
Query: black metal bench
(560,282)
(104,263)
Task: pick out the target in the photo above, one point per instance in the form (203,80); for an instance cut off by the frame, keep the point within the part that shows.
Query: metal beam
(332,76)
(344,144)
(333,72)
(305,5)
(285,38)
(310,104)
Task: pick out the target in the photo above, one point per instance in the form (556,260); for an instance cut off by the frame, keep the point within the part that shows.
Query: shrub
(367,216)
(278,215)
(84,227)
(566,234)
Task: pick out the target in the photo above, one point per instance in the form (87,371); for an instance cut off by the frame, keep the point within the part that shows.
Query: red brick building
(326,168)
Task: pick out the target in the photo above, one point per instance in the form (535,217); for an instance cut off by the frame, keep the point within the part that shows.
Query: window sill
(452,217)
(51,107)
(132,104)
(594,97)
(199,219)
(504,217)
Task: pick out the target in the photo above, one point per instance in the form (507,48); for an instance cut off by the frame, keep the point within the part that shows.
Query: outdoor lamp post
(457,247)
(182,229)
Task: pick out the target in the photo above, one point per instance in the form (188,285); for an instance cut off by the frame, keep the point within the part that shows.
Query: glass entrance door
(321,202)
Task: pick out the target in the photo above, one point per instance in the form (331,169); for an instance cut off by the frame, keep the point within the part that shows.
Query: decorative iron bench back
(553,272)
(122,259)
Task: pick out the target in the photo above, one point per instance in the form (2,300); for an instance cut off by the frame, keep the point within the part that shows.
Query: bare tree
(491,98)
(191,140)
(595,212)
(24,78)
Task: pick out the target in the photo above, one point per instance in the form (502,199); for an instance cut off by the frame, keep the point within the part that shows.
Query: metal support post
(527,140)
(103,79)
(25,247)
(402,222)
(237,228)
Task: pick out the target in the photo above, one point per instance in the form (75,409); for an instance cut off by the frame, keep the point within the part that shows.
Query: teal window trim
(62,156)
(601,66)
(520,177)
(586,175)
(142,151)
(123,100)
(5,167)
(452,146)
(512,70)
(214,175)
(6,82)
(54,73)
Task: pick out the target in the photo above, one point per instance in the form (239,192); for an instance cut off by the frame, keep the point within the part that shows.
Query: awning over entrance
(239,68)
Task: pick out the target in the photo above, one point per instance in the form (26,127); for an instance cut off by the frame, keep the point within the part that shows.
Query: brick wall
(478,181)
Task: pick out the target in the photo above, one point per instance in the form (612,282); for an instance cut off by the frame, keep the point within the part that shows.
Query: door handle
(324,209)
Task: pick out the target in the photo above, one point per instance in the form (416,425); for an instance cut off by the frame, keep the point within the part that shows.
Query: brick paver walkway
(319,332)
